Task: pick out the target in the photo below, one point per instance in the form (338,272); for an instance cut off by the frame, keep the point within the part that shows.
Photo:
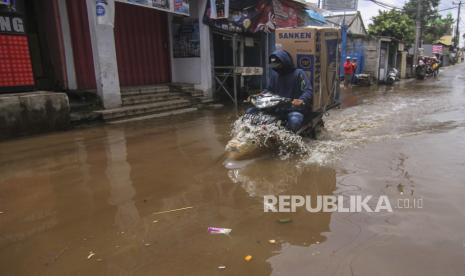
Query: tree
(437,28)
(428,10)
(394,24)
(433,25)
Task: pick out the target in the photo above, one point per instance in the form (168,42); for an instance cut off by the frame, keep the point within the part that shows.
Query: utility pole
(457,28)
(417,34)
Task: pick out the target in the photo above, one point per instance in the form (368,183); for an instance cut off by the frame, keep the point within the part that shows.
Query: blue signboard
(5,2)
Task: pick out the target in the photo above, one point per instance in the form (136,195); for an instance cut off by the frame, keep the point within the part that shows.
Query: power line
(451,8)
(384,5)
(388,6)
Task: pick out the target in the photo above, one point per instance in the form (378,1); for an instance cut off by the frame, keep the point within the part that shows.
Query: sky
(369,9)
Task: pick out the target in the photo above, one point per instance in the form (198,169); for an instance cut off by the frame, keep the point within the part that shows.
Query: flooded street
(137,198)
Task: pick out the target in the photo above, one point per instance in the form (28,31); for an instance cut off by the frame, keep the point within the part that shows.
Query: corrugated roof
(356,27)
(339,19)
(445,40)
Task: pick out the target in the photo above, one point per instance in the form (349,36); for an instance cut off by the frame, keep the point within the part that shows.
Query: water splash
(267,131)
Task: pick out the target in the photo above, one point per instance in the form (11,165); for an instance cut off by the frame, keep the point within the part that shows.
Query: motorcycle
(261,130)
(392,76)
(421,70)
(363,80)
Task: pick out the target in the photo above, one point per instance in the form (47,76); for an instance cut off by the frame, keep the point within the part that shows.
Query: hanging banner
(255,18)
(181,7)
(105,12)
(173,6)
(219,9)
(259,16)
(285,15)
(437,49)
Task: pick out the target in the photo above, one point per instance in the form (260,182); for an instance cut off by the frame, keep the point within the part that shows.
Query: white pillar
(206,83)
(403,65)
(104,53)
(68,45)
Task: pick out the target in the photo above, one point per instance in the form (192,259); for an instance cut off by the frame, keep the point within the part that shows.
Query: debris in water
(285,220)
(1,212)
(221,267)
(272,241)
(174,210)
(91,254)
(54,259)
(99,260)
(155,221)
(216,230)
(248,258)
(147,244)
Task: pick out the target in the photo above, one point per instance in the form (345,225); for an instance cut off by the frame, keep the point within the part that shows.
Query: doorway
(142,45)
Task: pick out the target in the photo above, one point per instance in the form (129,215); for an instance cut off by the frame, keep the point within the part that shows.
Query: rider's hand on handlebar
(297,102)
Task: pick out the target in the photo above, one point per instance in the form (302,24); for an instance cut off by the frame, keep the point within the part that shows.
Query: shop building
(107,47)
(141,56)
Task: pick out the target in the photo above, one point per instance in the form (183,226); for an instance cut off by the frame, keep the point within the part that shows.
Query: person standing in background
(348,72)
(354,64)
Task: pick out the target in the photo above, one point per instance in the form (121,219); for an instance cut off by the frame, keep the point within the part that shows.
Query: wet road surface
(92,201)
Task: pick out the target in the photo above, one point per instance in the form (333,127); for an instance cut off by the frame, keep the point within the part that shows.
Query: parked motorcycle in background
(392,76)
(427,67)
(420,70)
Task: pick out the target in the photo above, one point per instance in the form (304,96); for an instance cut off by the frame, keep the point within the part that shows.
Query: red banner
(265,16)
(15,61)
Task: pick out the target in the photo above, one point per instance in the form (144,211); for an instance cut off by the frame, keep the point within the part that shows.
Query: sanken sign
(299,35)
(11,24)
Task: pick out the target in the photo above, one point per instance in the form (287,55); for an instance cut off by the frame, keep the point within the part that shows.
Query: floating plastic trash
(216,230)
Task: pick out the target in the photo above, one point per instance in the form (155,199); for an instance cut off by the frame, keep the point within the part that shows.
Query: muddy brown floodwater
(88,201)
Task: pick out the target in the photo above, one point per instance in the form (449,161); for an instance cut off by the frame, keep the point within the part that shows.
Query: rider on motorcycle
(289,82)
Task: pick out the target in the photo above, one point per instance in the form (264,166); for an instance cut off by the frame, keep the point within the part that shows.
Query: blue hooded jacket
(290,82)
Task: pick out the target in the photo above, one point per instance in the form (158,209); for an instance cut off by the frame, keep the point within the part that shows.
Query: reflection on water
(118,172)
(268,177)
